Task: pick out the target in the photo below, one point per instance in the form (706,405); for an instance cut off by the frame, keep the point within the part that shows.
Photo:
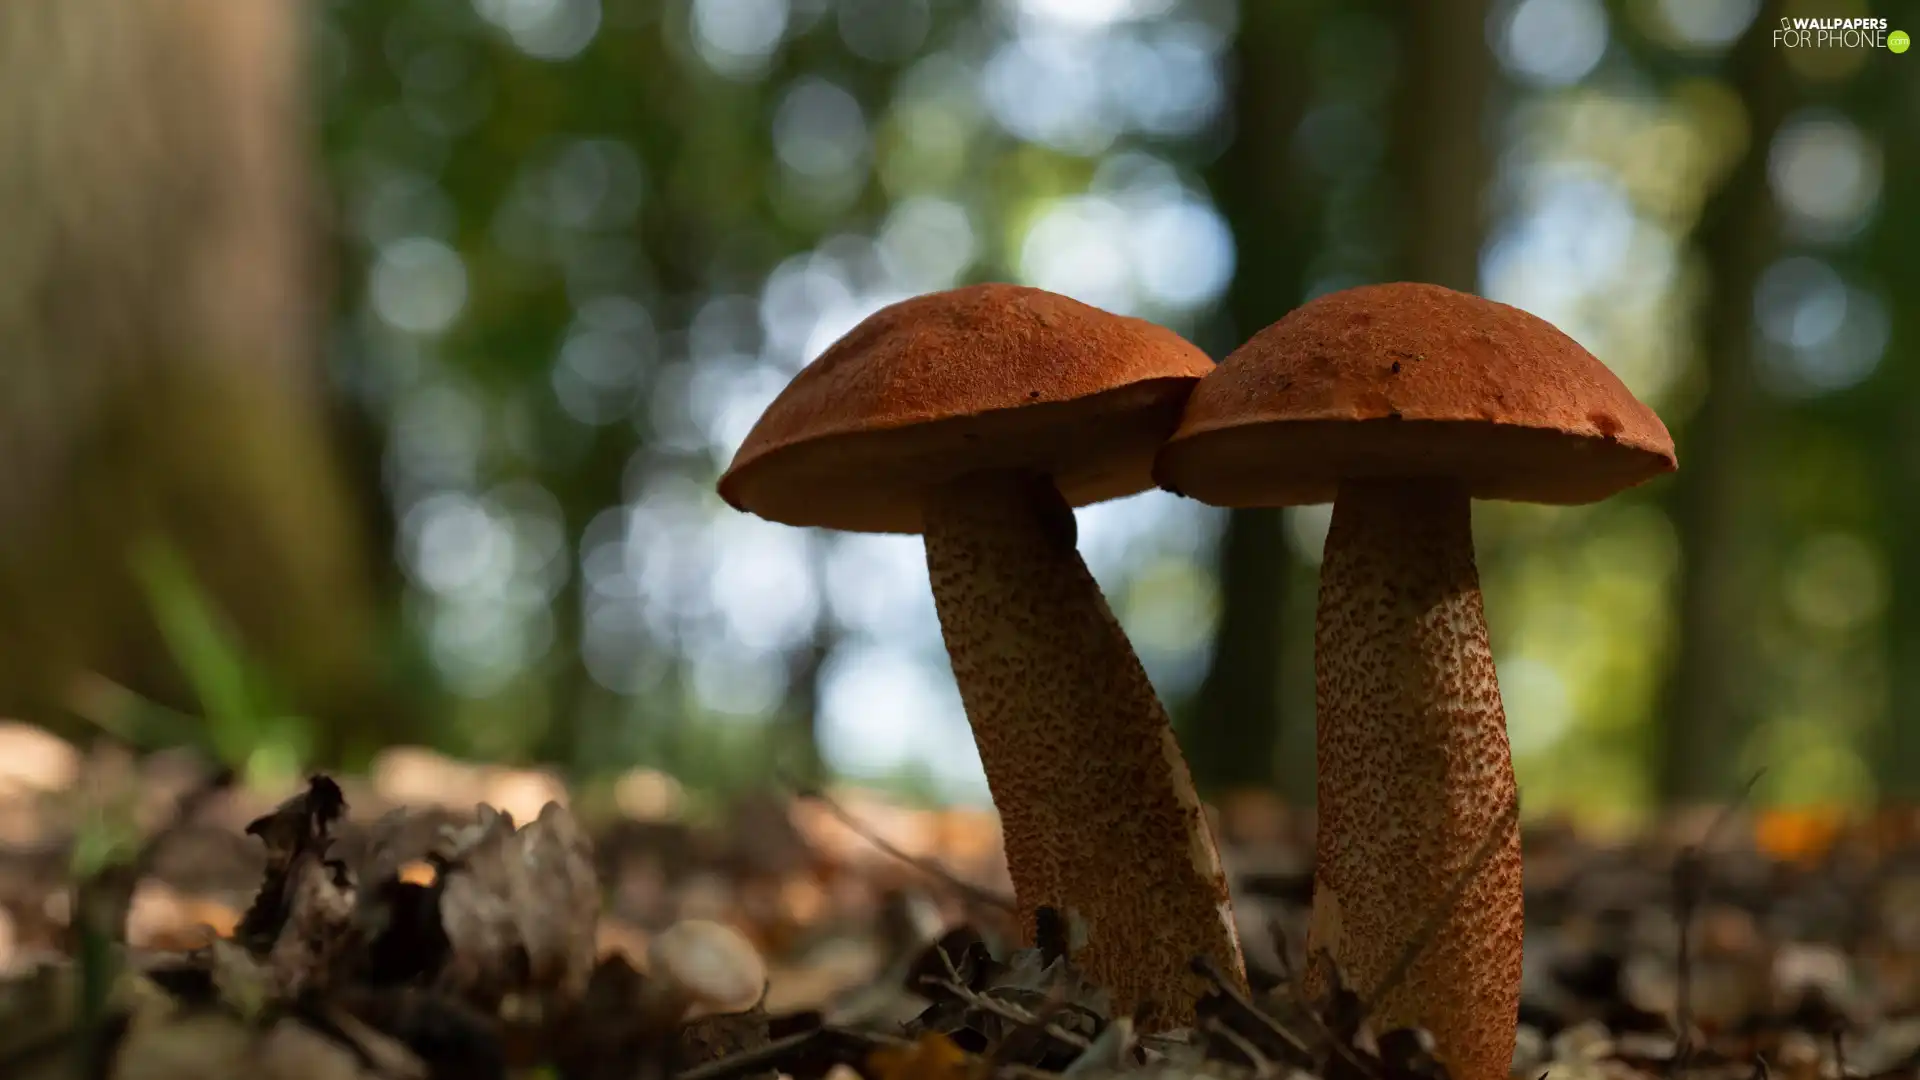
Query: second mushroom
(1400,404)
(978,418)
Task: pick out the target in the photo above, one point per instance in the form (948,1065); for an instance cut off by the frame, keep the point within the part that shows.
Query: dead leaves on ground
(432,944)
(468,950)
(484,962)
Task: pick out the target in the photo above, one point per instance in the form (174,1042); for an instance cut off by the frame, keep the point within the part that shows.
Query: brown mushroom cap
(1411,379)
(982,377)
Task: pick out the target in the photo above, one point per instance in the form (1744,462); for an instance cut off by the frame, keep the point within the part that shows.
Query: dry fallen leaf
(207,1045)
(520,909)
(930,1057)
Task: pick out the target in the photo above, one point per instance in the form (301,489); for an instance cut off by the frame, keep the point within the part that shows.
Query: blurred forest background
(368,364)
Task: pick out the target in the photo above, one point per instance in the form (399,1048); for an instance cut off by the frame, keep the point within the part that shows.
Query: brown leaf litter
(432,943)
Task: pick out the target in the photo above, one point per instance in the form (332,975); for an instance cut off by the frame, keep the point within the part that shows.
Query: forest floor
(159,922)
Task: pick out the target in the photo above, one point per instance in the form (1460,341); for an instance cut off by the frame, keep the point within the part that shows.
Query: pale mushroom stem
(1414,773)
(1096,803)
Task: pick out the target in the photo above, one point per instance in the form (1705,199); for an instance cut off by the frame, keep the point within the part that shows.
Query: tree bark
(158,307)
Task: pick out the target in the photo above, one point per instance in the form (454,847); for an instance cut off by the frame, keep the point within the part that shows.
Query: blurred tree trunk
(805,762)
(1438,155)
(1240,720)
(159,317)
(1243,730)
(1235,737)
(1897,238)
(806,667)
(1706,710)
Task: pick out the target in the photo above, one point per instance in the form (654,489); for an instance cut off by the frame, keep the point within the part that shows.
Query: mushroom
(1399,404)
(698,967)
(979,417)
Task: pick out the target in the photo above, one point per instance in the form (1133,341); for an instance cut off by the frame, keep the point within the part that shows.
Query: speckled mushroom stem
(1414,772)
(1096,803)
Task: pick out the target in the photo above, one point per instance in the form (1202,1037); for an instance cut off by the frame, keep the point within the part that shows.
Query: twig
(760,1058)
(946,961)
(1296,989)
(1053,1003)
(1111,1051)
(1205,967)
(978,895)
(1688,886)
(1262,1065)
(1336,983)
(1283,952)
(1026,1032)
(1014,1013)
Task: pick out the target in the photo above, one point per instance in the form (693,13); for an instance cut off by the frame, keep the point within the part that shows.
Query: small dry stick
(1204,966)
(1111,1051)
(1283,952)
(955,985)
(1687,889)
(975,894)
(1263,1066)
(781,1052)
(1011,1012)
(1037,1025)
(1296,989)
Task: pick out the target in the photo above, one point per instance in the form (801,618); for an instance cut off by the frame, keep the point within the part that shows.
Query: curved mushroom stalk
(1414,773)
(977,416)
(1465,398)
(1097,805)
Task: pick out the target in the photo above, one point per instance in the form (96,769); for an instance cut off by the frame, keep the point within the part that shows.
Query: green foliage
(437,125)
(239,728)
